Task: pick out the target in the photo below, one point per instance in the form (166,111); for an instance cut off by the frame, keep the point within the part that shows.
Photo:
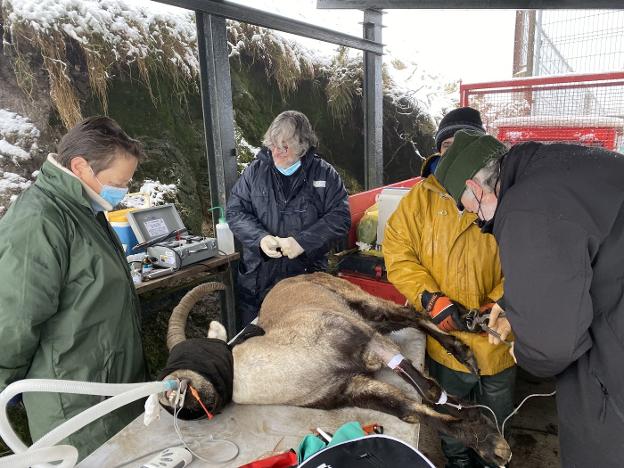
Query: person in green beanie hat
(463,160)
(436,256)
(557,212)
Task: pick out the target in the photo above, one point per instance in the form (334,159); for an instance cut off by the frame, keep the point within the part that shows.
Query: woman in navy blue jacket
(287,209)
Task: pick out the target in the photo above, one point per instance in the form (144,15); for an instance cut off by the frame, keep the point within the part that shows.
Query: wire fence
(586,109)
(552,42)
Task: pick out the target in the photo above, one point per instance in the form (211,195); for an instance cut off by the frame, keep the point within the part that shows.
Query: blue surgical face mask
(112,195)
(290,170)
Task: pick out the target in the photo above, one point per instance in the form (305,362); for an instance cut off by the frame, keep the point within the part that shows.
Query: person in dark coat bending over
(557,212)
(286,209)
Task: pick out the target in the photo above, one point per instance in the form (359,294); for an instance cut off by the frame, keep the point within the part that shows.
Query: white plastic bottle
(225,238)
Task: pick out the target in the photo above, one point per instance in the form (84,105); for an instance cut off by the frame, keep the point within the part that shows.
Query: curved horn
(177,321)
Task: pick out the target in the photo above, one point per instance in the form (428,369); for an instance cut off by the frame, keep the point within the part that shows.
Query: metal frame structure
(468,4)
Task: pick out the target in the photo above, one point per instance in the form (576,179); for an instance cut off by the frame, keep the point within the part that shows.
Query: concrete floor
(532,434)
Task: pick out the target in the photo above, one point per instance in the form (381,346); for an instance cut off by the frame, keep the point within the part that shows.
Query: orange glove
(446,314)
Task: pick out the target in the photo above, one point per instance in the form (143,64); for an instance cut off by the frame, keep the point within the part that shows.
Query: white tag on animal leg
(152,410)
(443,398)
(395,361)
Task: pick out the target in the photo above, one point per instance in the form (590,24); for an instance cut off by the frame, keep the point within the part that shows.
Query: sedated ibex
(323,342)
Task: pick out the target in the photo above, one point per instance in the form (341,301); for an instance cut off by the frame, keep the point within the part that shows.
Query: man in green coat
(68,307)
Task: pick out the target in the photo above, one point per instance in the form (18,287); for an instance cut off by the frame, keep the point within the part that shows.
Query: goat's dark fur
(324,340)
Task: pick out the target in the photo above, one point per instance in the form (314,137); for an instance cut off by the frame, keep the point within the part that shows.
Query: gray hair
(487,176)
(292,127)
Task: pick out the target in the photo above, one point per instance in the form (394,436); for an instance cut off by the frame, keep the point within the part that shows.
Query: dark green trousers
(497,392)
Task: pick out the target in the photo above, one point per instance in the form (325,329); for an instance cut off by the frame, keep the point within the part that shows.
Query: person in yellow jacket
(437,257)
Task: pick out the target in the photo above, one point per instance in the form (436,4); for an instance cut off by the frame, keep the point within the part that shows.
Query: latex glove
(499,324)
(290,247)
(269,246)
(511,351)
(446,314)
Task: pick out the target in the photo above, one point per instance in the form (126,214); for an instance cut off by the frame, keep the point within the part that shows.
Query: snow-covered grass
(10,181)
(11,185)
(18,137)
(18,143)
(158,193)
(130,29)
(431,92)
(162,37)
(114,35)
(110,34)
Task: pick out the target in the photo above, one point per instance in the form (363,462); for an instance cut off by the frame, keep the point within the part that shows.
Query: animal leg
(474,429)
(383,351)
(386,316)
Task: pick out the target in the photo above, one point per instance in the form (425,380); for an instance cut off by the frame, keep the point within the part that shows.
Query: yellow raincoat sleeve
(496,293)
(401,238)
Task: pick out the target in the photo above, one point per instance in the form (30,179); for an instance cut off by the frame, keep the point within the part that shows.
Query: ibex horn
(176,332)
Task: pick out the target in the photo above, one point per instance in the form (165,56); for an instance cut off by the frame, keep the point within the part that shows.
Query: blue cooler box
(126,236)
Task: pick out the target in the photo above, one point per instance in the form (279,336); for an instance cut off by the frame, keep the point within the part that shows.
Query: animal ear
(216,330)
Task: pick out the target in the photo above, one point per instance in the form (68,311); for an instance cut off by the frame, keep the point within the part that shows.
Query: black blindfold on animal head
(210,358)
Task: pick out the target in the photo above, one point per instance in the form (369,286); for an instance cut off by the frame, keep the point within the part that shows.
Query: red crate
(376,287)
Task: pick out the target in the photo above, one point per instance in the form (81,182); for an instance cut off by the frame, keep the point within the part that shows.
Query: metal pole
(537,63)
(216,94)
(373,104)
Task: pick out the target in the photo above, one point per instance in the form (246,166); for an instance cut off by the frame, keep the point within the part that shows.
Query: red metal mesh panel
(587,109)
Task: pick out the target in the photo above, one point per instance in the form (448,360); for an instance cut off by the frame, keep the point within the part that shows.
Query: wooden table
(219,266)
(258,430)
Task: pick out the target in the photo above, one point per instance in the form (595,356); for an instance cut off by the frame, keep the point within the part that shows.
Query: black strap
(249,331)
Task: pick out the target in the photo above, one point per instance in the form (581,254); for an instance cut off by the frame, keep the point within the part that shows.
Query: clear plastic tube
(122,395)
(81,420)
(66,453)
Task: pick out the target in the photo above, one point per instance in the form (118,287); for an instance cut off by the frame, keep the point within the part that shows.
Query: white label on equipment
(156,227)
(318,183)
